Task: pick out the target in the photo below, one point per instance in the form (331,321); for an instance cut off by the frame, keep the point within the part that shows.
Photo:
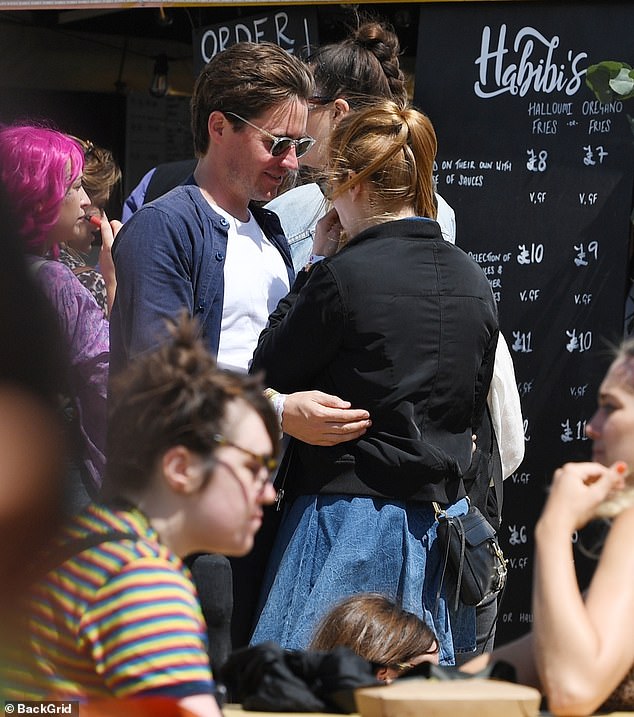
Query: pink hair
(34,173)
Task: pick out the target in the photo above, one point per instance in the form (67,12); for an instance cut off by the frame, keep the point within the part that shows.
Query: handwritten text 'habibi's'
(533,65)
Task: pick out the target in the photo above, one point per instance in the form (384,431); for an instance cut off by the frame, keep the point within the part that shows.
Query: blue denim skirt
(332,546)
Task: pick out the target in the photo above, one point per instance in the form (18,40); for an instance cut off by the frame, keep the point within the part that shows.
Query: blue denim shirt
(300,208)
(170,256)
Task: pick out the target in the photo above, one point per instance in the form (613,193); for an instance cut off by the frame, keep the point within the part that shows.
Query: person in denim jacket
(348,75)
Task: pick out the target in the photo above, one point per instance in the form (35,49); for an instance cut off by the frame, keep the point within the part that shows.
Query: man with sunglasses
(206,247)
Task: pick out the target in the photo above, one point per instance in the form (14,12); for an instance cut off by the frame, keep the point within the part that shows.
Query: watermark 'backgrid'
(44,707)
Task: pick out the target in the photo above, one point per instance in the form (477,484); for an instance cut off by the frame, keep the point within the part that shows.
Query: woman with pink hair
(41,173)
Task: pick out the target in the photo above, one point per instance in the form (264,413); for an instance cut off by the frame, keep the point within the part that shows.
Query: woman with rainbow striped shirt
(113,613)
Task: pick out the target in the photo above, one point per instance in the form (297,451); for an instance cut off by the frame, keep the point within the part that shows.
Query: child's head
(380,631)
(197,440)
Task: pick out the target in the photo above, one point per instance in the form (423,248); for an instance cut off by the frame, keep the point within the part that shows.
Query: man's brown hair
(247,78)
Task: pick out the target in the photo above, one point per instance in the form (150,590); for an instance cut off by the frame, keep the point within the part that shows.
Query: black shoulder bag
(472,554)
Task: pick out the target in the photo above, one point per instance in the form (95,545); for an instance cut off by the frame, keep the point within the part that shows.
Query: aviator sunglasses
(279,145)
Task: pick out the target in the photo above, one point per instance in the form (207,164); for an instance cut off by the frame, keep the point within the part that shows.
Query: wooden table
(233,710)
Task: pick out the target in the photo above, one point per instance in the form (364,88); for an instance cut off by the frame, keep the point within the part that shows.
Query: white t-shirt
(255,278)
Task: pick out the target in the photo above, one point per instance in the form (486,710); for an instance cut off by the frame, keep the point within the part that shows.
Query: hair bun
(379,39)
(384,44)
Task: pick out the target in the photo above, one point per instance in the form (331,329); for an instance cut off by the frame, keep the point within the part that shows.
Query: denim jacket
(300,208)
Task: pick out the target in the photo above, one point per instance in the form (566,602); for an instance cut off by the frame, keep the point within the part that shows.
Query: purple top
(86,332)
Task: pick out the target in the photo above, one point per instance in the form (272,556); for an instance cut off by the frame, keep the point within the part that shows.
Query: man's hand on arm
(322,419)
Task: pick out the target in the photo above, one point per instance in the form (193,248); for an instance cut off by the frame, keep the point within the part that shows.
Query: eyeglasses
(269,463)
(279,145)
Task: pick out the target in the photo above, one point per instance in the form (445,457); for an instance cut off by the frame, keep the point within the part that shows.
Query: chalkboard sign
(294,29)
(157,130)
(540,176)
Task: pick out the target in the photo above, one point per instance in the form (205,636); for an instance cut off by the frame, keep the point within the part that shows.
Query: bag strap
(455,521)
(463,544)
(441,514)
(282,474)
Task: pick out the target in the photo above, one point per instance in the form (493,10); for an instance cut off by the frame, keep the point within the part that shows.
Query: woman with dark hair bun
(364,63)
(349,75)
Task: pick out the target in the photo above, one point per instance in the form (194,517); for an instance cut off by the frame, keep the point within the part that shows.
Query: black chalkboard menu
(540,175)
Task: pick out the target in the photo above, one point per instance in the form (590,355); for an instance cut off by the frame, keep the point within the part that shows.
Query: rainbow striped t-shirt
(119,619)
